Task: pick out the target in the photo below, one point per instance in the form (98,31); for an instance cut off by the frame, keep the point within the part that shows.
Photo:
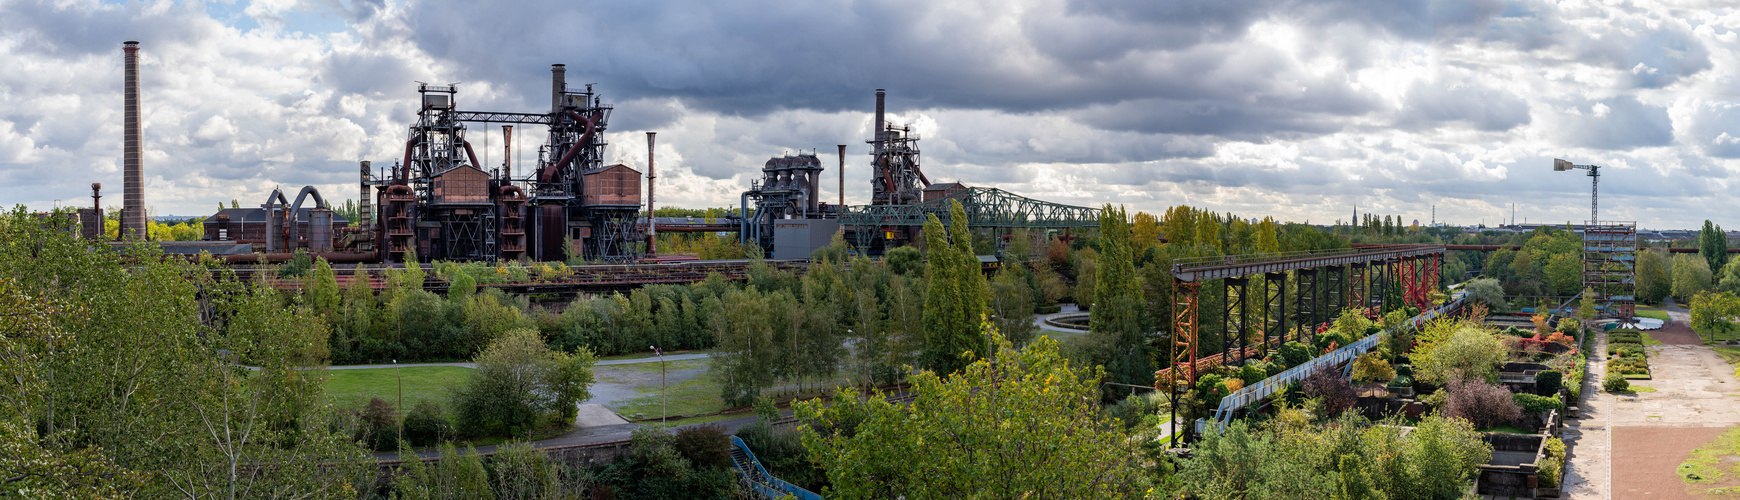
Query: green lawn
(353,388)
(1506,429)
(1653,313)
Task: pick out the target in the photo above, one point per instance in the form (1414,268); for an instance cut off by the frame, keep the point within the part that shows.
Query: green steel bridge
(985,208)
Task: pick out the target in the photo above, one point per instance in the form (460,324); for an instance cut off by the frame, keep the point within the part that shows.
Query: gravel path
(1652,432)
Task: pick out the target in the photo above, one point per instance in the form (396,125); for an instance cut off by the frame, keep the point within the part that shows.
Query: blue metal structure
(756,478)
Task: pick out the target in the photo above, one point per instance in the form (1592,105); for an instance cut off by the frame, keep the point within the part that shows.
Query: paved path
(1652,432)
(654,359)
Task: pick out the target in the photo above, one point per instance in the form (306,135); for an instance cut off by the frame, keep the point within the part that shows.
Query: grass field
(689,397)
(1653,313)
(353,388)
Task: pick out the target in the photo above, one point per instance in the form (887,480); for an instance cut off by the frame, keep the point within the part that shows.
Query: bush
(1337,394)
(1485,405)
(704,445)
(1371,367)
(1294,354)
(378,426)
(1531,403)
(1250,373)
(1549,382)
(1404,370)
(1553,464)
(520,383)
(1615,382)
(1467,352)
(425,425)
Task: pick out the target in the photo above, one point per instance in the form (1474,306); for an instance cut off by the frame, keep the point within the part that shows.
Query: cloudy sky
(1296,109)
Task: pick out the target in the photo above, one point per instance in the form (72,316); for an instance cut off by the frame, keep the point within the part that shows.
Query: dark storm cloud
(751,59)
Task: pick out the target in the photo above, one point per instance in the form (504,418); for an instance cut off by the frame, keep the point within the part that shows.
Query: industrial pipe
(591,126)
(472,155)
(507,156)
(405,168)
(652,231)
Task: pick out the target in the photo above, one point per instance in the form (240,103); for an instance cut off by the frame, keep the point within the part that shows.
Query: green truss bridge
(985,208)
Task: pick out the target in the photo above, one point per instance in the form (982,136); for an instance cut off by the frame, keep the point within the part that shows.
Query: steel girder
(1306,316)
(1358,288)
(985,207)
(1334,296)
(1233,316)
(1275,312)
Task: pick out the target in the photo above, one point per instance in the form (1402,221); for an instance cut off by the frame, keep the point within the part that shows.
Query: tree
(955,299)
(1713,245)
(1486,291)
(1460,351)
(1144,232)
(1020,423)
(1653,279)
(1012,304)
(1565,273)
(1691,276)
(518,383)
(1712,313)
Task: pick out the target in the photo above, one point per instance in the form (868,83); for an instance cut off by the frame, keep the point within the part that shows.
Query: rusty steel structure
(440,202)
(1326,282)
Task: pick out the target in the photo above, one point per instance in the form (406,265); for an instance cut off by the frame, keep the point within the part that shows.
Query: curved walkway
(653,359)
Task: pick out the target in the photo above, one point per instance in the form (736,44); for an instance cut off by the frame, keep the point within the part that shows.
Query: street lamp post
(661,355)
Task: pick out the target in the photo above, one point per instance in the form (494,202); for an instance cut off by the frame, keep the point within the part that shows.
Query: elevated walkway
(1255,393)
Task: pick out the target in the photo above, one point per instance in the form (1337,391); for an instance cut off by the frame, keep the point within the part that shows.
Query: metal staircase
(756,478)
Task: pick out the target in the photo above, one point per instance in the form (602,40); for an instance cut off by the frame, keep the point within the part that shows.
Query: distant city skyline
(1294,109)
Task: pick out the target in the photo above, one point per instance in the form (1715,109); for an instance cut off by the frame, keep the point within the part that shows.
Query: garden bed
(1626,357)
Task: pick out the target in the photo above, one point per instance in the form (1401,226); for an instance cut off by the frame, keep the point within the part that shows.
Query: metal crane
(1594,182)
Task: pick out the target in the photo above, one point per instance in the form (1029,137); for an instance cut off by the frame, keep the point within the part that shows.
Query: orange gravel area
(1645,460)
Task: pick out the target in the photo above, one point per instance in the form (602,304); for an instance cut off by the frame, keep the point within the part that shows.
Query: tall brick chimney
(133,177)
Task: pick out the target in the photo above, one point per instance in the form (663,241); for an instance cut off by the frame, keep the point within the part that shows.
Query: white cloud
(1300,110)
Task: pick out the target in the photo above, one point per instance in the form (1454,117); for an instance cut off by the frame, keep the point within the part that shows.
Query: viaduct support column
(1305,316)
(1275,332)
(1234,316)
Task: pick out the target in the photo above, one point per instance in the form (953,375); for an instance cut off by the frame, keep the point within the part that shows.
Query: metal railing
(753,475)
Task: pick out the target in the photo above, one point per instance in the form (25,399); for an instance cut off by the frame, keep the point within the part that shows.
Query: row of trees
(154,380)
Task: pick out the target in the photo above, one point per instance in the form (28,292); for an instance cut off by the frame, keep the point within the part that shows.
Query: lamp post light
(661,355)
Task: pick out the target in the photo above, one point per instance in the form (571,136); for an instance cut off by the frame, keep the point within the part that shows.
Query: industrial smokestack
(842,179)
(652,231)
(507,157)
(558,85)
(881,95)
(364,212)
(133,176)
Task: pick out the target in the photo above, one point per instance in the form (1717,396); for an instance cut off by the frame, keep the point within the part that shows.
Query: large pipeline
(472,155)
(405,168)
(333,257)
(591,126)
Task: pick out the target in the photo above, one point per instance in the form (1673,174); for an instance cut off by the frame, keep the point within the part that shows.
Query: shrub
(378,426)
(1336,393)
(1615,383)
(1484,405)
(1467,352)
(1548,381)
(1531,403)
(704,445)
(1371,367)
(425,425)
(519,382)
(1250,373)
(1404,370)
(1553,464)
(1294,354)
